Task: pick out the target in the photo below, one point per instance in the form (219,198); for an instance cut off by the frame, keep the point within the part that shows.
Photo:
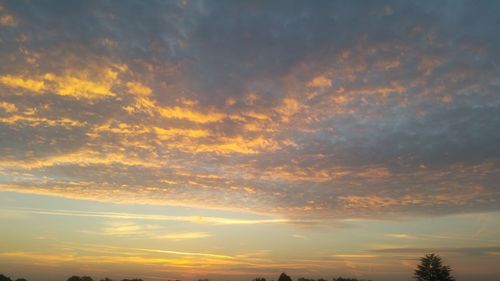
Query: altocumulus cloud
(299,109)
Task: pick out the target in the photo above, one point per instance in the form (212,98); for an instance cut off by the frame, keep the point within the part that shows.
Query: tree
(431,268)
(260,279)
(4,278)
(284,277)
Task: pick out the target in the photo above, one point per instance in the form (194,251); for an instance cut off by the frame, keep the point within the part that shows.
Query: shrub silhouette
(284,277)
(431,268)
(260,279)
(4,278)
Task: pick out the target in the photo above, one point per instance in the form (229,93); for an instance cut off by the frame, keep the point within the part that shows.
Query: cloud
(146,231)
(320,82)
(469,251)
(183,236)
(291,110)
(128,228)
(400,236)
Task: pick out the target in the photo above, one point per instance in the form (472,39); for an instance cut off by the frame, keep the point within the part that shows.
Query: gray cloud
(325,109)
(468,251)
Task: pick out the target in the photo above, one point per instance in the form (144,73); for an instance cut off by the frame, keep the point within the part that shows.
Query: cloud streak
(150,217)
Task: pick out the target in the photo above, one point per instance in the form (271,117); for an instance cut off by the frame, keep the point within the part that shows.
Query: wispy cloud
(148,217)
(470,251)
(145,231)
(355,256)
(400,236)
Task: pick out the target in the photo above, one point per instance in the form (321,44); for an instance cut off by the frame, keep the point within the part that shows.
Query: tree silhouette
(78,278)
(260,279)
(284,277)
(431,268)
(4,278)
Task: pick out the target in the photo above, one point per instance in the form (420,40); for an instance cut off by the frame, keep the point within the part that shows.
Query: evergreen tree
(431,268)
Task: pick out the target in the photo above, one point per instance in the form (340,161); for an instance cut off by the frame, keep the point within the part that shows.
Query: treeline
(73,278)
(283,277)
(431,268)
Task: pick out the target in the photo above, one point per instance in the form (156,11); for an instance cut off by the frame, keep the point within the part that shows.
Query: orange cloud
(320,82)
(138,89)
(78,84)
(35,85)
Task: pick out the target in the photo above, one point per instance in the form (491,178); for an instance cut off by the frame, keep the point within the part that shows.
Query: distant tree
(86,278)
(284,277)
(21,279)
(305,279)
(431,268)
(321,279)
(107,279)
(203,279)
(4,278)
(260,279)
(75,278)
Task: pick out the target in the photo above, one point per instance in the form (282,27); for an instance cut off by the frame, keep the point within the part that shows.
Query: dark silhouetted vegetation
(431,268)
(284,277)
(78,278)
(4,278)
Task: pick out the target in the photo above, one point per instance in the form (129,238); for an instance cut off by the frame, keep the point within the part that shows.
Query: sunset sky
(235,139)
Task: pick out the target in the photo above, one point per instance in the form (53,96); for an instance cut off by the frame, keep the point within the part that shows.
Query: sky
(235,139)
